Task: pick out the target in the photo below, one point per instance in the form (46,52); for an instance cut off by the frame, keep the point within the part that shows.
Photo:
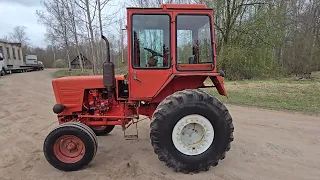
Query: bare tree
(52,41)
(20,35)
(56,23)
(70,8)
(86,7)
(101,5)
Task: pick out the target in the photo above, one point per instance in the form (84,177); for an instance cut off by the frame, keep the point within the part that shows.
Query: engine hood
(80,82)
(69,91)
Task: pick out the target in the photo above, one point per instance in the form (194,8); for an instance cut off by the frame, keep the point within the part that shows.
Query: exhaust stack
(108,70)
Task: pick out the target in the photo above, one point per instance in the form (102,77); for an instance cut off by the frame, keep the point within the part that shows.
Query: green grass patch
(282,94)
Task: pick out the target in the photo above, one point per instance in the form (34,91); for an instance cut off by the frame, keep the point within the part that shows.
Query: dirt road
(268,144)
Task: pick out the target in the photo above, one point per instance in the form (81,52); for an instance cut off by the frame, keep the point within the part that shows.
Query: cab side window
(194,44)
(151,41)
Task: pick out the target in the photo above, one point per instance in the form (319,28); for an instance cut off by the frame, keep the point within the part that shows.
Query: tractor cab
(181,36)
(167,43)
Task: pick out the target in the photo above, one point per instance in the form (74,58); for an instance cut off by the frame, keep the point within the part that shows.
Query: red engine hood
(69,91)
(80,82)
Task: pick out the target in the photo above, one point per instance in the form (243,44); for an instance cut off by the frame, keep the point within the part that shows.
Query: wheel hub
(193,134)
(71,146)
(69,149)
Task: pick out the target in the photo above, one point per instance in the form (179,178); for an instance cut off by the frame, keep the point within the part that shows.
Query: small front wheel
(69,147)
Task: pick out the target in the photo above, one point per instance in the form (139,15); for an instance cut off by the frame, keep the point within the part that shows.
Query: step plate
(130,137)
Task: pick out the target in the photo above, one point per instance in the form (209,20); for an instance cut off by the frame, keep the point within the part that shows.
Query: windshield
(151,40)
(194,39)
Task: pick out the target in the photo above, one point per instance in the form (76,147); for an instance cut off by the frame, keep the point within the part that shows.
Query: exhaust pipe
(108,71)
(108,48)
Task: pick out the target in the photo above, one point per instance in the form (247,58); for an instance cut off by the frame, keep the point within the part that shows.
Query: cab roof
(176,6)
(183,6)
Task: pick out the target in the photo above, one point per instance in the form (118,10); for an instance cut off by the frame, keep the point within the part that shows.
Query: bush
(247,62)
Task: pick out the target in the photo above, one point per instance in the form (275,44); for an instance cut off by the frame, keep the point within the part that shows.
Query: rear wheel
(191,131)
(102,130)
(69,147)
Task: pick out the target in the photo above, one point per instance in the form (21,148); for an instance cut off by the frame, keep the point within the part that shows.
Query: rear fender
(218,82)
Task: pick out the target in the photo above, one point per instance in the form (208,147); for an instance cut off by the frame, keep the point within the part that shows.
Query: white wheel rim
(193,134)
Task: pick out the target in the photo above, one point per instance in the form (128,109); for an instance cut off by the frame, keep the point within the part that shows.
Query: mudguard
(218,82)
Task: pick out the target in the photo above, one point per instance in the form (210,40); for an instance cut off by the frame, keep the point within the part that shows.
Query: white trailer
(14,61)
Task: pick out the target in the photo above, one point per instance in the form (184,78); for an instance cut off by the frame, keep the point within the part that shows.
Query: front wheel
(69,147)
(191,131)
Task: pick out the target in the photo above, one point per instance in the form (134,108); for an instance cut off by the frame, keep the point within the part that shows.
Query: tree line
(254,38)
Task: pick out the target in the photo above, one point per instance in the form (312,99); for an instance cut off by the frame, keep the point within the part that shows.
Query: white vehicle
(3,67)
(31,59)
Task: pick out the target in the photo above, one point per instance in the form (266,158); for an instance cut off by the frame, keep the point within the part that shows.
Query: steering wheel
(154,53)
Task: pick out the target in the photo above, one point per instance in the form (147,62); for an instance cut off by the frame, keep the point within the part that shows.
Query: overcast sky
(22,13)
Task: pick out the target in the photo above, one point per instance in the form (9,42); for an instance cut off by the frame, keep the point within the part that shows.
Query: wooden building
(75,63)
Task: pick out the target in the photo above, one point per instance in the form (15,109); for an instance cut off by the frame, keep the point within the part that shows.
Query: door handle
(135,77)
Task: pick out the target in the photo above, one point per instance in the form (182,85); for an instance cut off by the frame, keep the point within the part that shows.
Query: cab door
(151,51)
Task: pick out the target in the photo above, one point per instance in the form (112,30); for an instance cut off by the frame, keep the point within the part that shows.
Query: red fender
(218,82)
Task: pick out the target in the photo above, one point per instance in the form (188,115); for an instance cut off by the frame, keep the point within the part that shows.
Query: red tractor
(171,52)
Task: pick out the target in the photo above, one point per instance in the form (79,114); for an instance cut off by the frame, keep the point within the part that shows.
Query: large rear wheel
(69,147)
(191,131)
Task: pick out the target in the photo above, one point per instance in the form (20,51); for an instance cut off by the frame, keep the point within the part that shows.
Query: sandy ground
(268,144)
